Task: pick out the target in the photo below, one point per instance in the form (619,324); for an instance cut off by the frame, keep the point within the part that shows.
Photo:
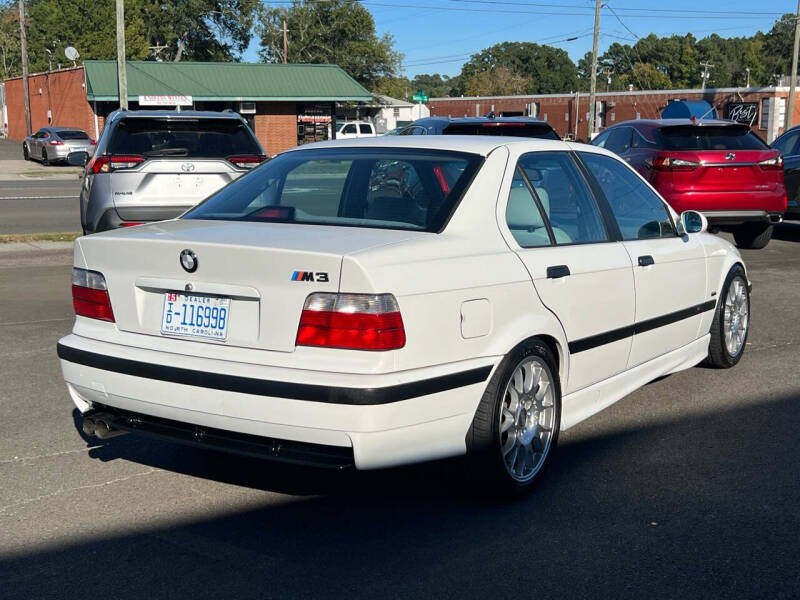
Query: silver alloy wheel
(736,316)
(527,417)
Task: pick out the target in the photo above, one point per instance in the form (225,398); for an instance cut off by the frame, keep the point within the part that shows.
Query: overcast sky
(438,36)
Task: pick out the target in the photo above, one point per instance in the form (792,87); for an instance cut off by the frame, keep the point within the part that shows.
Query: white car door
(582,275)
(669,270)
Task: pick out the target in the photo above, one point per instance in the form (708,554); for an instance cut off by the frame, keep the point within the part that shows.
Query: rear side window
(620,140)
(549,183)
(712,137)
(364,128)
(73,135)
(356,187)
(189,138)
(529,130)
(639,212)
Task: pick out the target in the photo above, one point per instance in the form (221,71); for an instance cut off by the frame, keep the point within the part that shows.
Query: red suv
(719,168)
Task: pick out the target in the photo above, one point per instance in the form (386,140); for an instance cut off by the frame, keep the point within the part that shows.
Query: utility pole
(122,76)
(23,46)
(285,42)
(593,85)
(790,108)
(705,74)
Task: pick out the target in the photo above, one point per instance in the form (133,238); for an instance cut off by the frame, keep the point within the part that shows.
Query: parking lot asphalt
(687,488)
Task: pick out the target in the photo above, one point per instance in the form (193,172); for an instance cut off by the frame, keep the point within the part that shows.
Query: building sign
(165,101)
(743,112)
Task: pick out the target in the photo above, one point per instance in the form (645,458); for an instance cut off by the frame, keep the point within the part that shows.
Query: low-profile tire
(731,323)
(515,428)
(25,155)
(753,236)
(45,160)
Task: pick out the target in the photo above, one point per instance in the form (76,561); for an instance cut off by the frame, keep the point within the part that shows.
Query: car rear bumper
(384,420)
(736,217)
(767,202)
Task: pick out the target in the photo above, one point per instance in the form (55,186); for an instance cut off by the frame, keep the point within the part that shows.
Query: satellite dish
(71,53)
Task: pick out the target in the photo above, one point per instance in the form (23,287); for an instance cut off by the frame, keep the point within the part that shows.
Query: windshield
(520,129)
(357,187)
(714,137)
(189,138)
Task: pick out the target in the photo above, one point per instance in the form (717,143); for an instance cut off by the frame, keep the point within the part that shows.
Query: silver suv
(155,165)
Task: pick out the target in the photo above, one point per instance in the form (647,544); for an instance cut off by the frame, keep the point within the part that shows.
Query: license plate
(196,316)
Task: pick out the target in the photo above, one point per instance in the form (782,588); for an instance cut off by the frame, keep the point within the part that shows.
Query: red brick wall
(276,126)
(66,100)
(559,111)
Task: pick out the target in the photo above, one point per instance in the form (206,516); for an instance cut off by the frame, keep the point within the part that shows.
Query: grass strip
(39,237)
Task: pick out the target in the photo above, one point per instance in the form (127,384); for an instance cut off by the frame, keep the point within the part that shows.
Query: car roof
(175,114)
(472,144)
(655,123)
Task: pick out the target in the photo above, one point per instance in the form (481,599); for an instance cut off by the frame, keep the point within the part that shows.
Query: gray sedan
(53,144)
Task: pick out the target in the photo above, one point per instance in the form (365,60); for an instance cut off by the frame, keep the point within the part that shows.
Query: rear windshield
(358,187)
(192,138)
(528,130)
(696,137)
(72,135)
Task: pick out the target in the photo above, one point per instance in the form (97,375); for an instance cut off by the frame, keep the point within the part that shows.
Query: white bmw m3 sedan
(377,302)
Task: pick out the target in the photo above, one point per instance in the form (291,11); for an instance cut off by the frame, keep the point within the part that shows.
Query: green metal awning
(225,81)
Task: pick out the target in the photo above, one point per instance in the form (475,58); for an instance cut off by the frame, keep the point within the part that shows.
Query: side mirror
(693,221)
(78,159)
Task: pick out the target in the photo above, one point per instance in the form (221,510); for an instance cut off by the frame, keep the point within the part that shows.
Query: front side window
(569,208)
(349,129)
(357,187)
(639,212)
(602,139)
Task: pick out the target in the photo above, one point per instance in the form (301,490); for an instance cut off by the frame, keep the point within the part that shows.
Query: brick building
(284,104)
(569,113)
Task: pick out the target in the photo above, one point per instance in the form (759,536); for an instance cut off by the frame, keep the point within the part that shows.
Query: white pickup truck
(355,129)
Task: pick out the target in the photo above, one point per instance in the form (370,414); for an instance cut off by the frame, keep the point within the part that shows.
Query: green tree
(546,69)
(645,72)
(338,32)
(778,46)
(395,87)
(498,81)
(435,86)
(9,41)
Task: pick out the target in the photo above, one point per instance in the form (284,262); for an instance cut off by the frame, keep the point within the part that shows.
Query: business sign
(165,101)
(743,112)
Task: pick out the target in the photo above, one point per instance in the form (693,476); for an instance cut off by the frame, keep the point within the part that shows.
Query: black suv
(513,126)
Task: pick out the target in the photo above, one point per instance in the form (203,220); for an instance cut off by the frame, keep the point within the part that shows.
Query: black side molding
(594,341)
(275,389)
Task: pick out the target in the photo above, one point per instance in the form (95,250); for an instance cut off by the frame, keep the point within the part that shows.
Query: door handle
(557,271)
(646,261)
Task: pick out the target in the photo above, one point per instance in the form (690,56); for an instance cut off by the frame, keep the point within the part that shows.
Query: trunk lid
(165,183)
(726,171)
(253,264)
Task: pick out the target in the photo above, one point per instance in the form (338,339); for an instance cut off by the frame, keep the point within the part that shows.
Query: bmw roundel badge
(188,261)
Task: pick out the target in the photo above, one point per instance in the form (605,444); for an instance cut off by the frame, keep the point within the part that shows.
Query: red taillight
(90,295)
(131,223)
(106,164)
(93,142)
(246,162)
(351,321)
(772,164)
(55,143)
(669,163)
